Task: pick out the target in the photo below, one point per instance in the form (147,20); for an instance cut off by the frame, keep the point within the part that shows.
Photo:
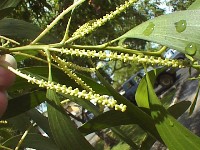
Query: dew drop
(191,49)
(149,29)
(171,123)
(181,25)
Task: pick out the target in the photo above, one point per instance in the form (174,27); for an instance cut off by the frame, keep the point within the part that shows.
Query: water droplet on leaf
(181,25)
(171,123)
(191,49)
(149,29)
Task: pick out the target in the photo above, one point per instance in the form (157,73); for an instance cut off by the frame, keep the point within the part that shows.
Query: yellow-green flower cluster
(89,27)
(140,58)
(62,65)
(3,122)
(100,99)
(74,66)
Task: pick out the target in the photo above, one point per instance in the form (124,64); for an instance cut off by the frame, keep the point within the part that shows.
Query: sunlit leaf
(116,118)
(195,5)
(178,30)
(174,135)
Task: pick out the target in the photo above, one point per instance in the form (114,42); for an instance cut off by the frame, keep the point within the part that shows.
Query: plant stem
(116,48)
(5,148)
(23,137)
(10,40)
(34,57)
(86,47)
(66,36)
(29,47)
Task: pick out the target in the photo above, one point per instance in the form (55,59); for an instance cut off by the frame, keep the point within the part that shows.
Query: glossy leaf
(140,95)
(20,29)
(174,135)
(32,140)
(178,30)
(64,131)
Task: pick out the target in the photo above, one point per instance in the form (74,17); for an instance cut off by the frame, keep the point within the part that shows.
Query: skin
(7,78)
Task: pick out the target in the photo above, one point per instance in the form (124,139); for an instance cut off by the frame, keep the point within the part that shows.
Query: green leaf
(24,103)
(19,29)
(122,135)
(176,110)
(178,30)
(65,133)
(179,108)
(32,140)
(8,3)
(174,135)
(141,93)
(116,118)
(195,5)
(95,110)
(22,123)
(6,7)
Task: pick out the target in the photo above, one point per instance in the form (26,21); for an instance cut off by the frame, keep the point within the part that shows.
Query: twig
(10,40)
(5,148)
(60,16)
(23,137)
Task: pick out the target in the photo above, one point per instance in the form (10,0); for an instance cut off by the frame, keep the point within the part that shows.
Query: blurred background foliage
(41,13)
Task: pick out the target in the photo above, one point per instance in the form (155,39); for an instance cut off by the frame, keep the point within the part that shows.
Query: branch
(59,17)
